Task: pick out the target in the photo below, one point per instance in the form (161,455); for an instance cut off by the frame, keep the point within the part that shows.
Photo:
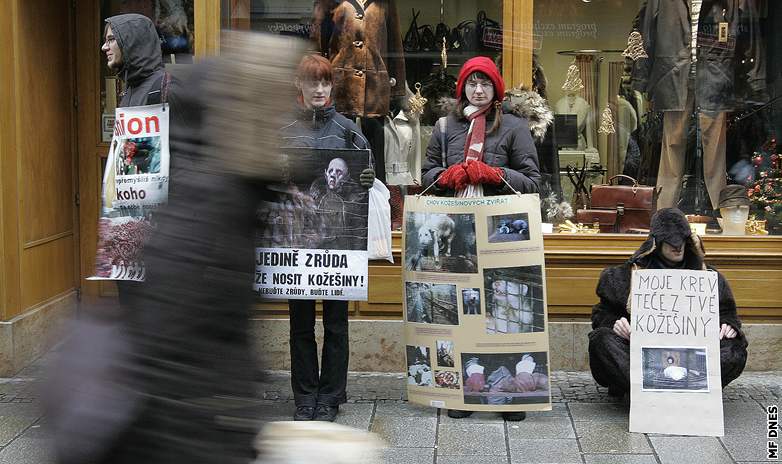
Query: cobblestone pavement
(585,425)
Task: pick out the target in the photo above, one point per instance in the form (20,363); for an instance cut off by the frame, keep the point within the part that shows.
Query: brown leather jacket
(364,45)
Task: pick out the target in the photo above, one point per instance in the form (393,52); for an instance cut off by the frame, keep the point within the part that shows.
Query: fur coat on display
(364,44)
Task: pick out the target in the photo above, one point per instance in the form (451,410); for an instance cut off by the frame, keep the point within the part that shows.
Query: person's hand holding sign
(622,328)
(727,331)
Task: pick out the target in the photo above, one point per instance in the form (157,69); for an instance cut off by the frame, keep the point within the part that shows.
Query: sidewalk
(585,426)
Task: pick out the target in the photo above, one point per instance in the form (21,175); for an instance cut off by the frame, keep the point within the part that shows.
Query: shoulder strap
(443,122)
(159,92)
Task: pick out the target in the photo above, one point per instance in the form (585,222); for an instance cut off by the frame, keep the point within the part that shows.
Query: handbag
(634,204)
(412,40)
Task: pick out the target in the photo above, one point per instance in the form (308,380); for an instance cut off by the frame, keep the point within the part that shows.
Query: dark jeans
(609,359)
(310,387)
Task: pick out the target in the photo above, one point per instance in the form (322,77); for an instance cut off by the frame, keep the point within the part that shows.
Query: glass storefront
(633,105)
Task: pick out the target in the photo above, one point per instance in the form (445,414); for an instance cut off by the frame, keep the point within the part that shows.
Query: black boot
(304,413)
(514,416)
(326,413)
(458,413)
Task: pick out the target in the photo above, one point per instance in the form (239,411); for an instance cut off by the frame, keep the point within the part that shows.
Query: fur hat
(485,66)
(669,225)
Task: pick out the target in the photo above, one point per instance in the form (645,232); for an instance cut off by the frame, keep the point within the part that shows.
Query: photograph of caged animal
(437,242)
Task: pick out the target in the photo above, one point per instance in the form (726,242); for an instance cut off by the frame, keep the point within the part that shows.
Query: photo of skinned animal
(431,303)
(505,378)
(437,242)
(471,301)
(446,379)
(508,228)
(675,369)
(419,366)
(445,353)
(514,300)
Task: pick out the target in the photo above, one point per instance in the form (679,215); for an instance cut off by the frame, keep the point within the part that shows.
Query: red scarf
(476,134)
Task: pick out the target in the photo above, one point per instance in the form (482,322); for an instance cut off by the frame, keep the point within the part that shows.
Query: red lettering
(138,126)
(150,119)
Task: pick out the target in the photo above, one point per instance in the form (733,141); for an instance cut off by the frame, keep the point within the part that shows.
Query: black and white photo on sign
(505,378)
(675,368)
(322,207)
(431,303)
(437,242)
(471,301)
(446,379)
(508,228)
(514,300)
(445,353)
(419,366)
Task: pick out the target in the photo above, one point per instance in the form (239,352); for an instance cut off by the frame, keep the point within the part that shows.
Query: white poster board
(313,243)
(135,183)
(675,382)
(476,327)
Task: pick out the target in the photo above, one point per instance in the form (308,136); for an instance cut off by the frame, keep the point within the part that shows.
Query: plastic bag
(379,223)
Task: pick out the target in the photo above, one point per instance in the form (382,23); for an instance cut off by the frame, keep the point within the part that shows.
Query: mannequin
(734,209)
(628,121)
(692,67)
(572,103)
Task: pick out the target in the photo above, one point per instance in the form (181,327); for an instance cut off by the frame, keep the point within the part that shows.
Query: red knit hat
(486,66)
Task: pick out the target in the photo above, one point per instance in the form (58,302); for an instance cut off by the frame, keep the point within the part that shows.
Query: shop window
(174,23)
(689,127)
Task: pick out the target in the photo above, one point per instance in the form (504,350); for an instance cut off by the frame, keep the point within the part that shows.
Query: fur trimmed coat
(364,44)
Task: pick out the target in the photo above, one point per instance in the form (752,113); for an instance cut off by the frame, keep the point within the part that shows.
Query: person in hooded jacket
(670,245)
(478,151)
(318,125)
(132,48)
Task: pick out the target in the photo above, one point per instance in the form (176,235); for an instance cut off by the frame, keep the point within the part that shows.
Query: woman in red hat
(478,151)
(486,152)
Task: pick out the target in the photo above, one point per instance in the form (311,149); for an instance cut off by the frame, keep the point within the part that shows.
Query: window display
(676,96)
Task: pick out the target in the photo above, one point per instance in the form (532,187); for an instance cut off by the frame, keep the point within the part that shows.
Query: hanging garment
(402,143)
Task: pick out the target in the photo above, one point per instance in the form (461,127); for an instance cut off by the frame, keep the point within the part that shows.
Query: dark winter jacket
(142,68)
(666,29)
(322,128)
(614,286)
(364,45)
(509,147)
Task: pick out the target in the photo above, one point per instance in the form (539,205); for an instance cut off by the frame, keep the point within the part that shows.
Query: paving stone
(531,451)
(471,460)
(405,432)
(602,412)
(407,455)
(743,414)
(542,427)
(25,450)
(620,459)
(13,426)
(471,439)
(399,409)
(356,415)
(675,450)
(610,437)
(746,444)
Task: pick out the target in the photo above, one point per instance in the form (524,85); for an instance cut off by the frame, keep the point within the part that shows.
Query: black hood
(140,45)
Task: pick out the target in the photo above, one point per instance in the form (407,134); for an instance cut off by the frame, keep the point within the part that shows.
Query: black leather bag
(412,40)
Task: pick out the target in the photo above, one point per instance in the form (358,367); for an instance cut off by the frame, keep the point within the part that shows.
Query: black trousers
(609,359)
(309,385)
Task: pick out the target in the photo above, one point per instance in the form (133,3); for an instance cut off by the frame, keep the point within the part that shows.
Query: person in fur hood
(670,245)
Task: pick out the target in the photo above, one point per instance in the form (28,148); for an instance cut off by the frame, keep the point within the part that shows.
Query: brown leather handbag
(634,204)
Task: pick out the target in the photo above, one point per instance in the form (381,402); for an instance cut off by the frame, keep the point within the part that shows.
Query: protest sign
(675,382)
(475,303)
(135,182)
(313,244)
